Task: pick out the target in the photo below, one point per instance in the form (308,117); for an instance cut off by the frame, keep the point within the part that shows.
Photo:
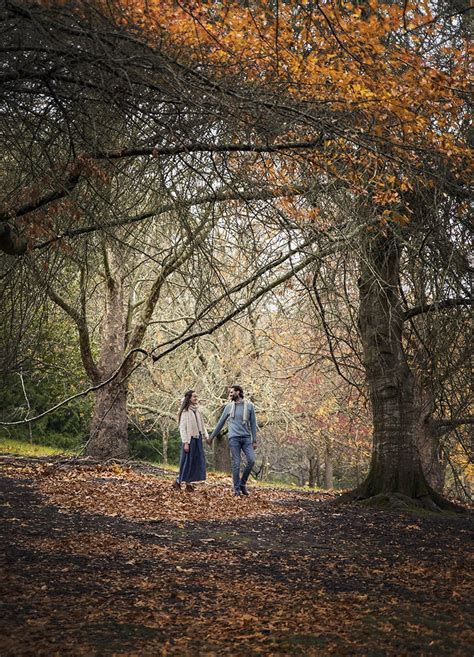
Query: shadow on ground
(318,581)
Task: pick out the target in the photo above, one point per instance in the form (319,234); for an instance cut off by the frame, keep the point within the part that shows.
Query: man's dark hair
(239,389)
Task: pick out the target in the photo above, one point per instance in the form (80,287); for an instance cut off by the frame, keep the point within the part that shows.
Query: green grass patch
(22,448)
(165,466)
(282,486)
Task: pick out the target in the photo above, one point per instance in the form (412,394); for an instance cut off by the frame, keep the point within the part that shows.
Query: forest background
(270,194)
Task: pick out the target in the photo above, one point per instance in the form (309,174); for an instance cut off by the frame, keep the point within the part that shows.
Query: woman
(192,466)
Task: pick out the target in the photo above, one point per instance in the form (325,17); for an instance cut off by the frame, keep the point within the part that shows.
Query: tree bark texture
(427,436)
(312,471)
(328,467)
(165,434)
(109,425)
(395,465)
(222,454)
(108,431)
(222,462)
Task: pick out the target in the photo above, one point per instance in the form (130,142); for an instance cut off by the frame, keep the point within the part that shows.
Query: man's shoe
(175,485)
(243,490)
(190,488)
(237,493)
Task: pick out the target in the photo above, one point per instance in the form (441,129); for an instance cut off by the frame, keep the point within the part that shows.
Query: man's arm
(220,424)
(253,424)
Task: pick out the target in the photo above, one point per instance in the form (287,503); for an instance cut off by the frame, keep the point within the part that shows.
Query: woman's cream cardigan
(191,424)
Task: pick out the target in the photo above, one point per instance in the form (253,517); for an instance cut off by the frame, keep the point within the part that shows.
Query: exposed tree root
(398,501)
(400,491)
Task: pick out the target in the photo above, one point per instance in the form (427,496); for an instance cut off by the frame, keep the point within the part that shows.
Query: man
(242,436)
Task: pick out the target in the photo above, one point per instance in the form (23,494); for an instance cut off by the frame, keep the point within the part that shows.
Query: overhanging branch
(439,305)
(215,197)
(445,425)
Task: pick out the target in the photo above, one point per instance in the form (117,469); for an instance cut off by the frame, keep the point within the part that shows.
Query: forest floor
(109,560)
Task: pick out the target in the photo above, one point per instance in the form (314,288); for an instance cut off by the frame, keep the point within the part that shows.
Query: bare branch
(439,305)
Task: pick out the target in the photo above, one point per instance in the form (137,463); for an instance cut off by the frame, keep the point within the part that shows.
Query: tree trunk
(302,477)
(312,471)
(222,454)
(430,453)
(165,432)
(395,466)
(318,471)
(108,432)
(426,435)
(222,462)
(109,425)
(328,468)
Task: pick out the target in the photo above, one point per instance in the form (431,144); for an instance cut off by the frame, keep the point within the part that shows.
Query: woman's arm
(182,427)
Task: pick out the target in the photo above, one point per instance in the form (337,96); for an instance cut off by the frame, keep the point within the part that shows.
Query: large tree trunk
(395,467)
(108,432)
(109,426)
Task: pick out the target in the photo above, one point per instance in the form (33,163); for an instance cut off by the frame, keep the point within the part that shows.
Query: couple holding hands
(242,438)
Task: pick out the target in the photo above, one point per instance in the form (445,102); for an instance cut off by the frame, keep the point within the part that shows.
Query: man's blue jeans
(237,445)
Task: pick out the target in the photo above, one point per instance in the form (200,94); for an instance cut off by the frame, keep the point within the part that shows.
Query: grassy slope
(22,448)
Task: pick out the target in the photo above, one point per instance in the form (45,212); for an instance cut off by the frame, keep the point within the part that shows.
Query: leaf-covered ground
(109,561)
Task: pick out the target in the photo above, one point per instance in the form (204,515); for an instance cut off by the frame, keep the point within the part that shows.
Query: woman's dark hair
(185,404)
(239,389)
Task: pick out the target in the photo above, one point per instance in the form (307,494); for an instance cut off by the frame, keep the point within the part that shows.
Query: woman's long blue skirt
(192,465)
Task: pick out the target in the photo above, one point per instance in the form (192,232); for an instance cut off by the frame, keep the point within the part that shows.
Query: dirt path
(287,575)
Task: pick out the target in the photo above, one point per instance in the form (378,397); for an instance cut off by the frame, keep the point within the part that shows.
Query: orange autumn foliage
(389,112)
